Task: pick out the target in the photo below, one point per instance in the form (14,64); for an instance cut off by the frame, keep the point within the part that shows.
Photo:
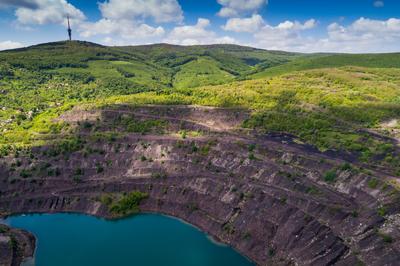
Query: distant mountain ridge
(191,66)
(169,65)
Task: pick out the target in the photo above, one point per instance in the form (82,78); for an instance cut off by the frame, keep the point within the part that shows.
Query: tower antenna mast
(69,29)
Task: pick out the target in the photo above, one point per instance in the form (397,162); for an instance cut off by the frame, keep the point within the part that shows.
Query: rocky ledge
(15,246)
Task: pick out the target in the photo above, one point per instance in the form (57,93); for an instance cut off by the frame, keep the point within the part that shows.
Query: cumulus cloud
(127,20)
(290,25)
(364,35)
(196,34)
(234,8)
(126,29)
(252,24)
(46,11)
(10,45)
(379,4)
(159,10)
(284,36)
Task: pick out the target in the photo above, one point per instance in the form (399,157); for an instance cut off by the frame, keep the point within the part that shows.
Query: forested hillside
(329,101)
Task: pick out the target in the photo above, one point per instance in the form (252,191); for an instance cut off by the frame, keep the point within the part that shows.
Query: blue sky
(294,25)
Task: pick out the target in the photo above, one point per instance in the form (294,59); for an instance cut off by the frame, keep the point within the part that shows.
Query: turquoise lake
(142,240)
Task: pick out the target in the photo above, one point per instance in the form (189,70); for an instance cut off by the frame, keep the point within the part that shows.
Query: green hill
(236,60)
(333,60)
(38,79)
(87,61)
(154,67)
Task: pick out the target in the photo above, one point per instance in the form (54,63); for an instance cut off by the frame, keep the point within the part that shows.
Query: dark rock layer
(15,246)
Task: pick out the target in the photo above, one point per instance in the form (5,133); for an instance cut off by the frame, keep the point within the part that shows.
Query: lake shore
(146,239)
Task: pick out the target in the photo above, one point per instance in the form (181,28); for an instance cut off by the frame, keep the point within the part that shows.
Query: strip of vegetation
(133,125)
(126,205)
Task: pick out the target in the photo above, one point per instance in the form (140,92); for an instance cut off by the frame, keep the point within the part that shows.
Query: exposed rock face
(264,195)
(15,246)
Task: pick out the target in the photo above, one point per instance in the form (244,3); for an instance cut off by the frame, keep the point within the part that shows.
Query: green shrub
(79,172)
(271,252)
(313,190)
(205,149)
(25,173)
(252,156)
(159,175)
(382,211)
(252,147)
(128,204)
(99,169)
(346,167)
(330,176)
(373,183)
(106,200)
(386,238)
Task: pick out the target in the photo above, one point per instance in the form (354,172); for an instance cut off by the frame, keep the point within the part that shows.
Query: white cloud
(126,29)
(125,20)
(365,35)
(290,25)
(234,8)
(284,36)
(362,36)
(379,4)
(10,45)
(159,10)
(115,42)
(46,11)
(252,24)
(196,34)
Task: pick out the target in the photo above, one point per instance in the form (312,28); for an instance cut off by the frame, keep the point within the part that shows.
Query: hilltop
(169,65)
(288,157)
